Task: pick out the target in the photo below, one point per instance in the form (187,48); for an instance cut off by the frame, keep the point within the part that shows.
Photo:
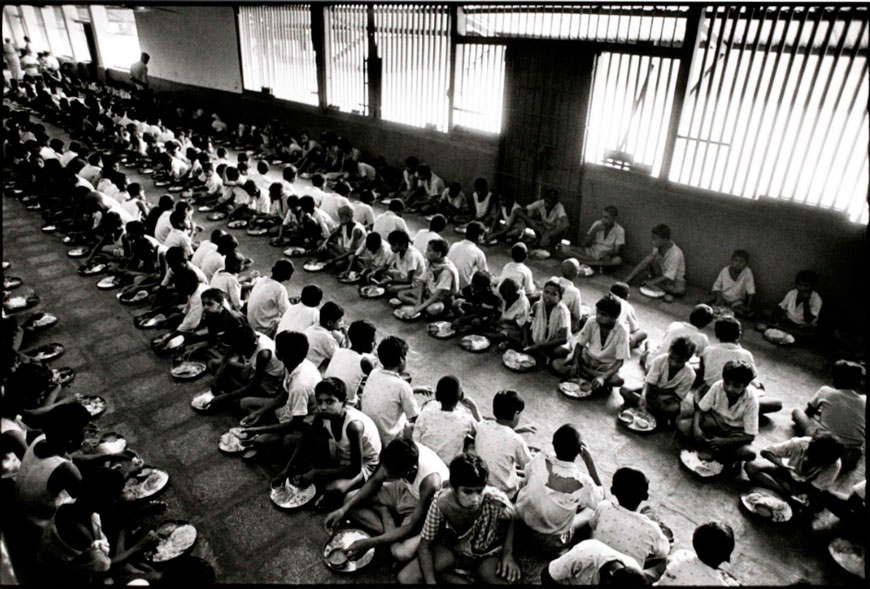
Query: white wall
(192,45)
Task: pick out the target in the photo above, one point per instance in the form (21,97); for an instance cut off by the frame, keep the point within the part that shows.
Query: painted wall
(780,238)
(192,45)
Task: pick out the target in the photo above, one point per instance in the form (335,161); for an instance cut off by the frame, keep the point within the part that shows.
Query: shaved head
(570,268)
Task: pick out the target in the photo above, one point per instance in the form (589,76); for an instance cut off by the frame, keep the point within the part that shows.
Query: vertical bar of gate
(804,62)
(840,93)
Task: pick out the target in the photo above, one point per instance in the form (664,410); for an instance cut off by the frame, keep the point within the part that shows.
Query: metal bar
(754,102)
(694,106)
(838,52)
(839,177)
(779,100)
(728,51)
(785,127)
(836,105)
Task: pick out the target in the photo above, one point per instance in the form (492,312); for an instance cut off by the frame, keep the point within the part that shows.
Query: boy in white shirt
(665,267)
(443,426)
(363,212)
(352,365)
(467,256)
(556,499)
(667,388)
(386,397)
(800,308)
(424,236)
(713,543)
(518,270)
(391,220)
(327,336)
(435,294)
(735,285)
(628,317)
(699,318)
(593,563)
(500,445)
(604,241)
(302,315)
(371,256)
(571,297)
(404,267)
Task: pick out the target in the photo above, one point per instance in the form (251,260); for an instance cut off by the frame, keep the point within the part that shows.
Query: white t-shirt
(387,222)
(685,568)
(363,214)
(582,564)
(229,284)
(521,273)
(503,450)
(735,290)
(163,226)
(298,317)
(299,384)
(266,304)
(212,262)
(743,414)
(672,263)
(717,355)
(444,431)
(388,400)
(681,383)
(682,329)
(422,239)
(629,532)
(411,261)
(795,312)
(204,248)
(468,259)
(346,366)
(322,344)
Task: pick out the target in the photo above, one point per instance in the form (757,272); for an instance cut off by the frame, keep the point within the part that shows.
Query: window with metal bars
(13,25)
(414,43)
(663,26)
(347,55)
(632,98)
(479,88)
(776,107)
(277,52)
(122,38)
(61,47)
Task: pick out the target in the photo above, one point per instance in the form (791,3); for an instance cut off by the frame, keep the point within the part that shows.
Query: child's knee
(411,574)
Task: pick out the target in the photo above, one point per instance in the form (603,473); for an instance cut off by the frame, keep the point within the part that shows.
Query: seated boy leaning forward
(725,422)
(469,526)
(557,500)
(603,243)
(546,217)
(592,562)
(341,449)
(798,312)
(735,285)
(403,268)
(667,389)
(664,267)
(601,349)
(713,543)
(799,469)
(344,241)
(435,295)
(394,501)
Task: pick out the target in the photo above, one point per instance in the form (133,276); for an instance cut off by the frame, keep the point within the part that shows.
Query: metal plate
(341,541)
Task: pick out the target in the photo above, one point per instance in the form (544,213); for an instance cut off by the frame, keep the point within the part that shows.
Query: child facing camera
(664,267)
(470,525)
(735,285)
(667,388)
(435,294)
(547,333)
(799,309)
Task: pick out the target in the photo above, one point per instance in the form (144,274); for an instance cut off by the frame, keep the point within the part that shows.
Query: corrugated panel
(346,87)
(277,51)
(777,107)
(645,24)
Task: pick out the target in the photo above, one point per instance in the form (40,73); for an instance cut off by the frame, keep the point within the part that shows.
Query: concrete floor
(249,541)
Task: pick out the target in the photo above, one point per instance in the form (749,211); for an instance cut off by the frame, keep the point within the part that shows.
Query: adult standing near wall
(13,61)
(139,72)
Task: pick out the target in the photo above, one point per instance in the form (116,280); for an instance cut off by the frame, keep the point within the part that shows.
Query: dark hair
(411,162)
(396,205)
(662,231)
(361,333)
(701,316)
(367,197)
(186,280)
(282,270)
(609,305)
(175,256)
(519,252)
(807,277)
(439,246)
(329,313)
(392,350)
(682,347)
(317,180)
(507,403)
(216,234)
(289,173)
(292,345)
(176,219)
(630,487)
(400,456)
(233,262)
(226,243)
(713,543)
(468,470)
(65,422)
(311,295)
(727,329)
(612,210)
(447,392)
(481,185)
(825,446)
(743,254)
(555,283)
(847,375)
(503,286)
(738,372)
(100,486)
(438,223)
(567,442)
(474,230)
(374,241)
(187,571)
(620,289)
(214,294)
(398,237)
(262,167)
(332,385)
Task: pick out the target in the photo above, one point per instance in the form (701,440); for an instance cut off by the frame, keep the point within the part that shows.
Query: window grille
(777,107)
(632,98)
(663,26)
(13,25)
(414,44)
(61,47)
(277,52)
(479,93)
(122,37)
(347,51)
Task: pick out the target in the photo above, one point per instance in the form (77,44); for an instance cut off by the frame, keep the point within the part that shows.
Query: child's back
(503,450)
(716,355)
(444,430)
(679,329)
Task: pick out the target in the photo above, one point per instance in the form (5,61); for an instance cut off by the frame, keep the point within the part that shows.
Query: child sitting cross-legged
(556,499)
(515,314)
(434,296)
(798,312)
(469,525)
(327,336)
(341,449)
(621,527)
(667,388)
(478,306)
(601,349)
(499,442)
(387,397)
(699,318)
(799,469)
(518,270)
(445,427)
(343,242)
(548,331)
(403,267)
(352,365)
(735,285)
(592,562)
(713,543)
(370,256)
(302,315)
(627,315)
(725,421)
(394,501)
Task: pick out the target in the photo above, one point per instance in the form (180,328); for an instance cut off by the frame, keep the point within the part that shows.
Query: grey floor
(250,541)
